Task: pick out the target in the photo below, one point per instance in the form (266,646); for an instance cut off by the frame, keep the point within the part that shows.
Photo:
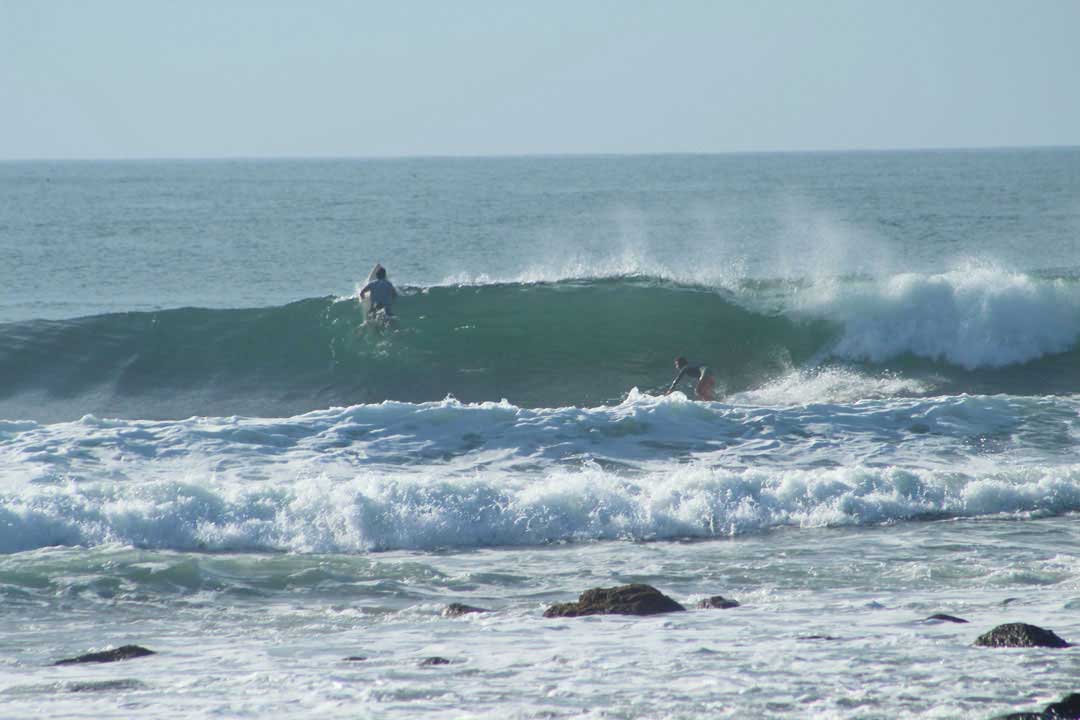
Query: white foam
(973,317)
(377,511)
(426,476)
(830,385)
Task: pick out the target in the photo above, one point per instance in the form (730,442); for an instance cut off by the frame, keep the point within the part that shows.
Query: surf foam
(402,476)
(973,317)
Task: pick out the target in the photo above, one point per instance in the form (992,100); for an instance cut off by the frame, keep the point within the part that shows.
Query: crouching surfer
(383,294)
(704,389)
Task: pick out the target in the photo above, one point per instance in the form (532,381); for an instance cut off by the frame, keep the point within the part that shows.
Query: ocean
(206,452)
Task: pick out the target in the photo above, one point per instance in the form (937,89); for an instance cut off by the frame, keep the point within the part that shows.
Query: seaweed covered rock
(623,600)
(1020,635)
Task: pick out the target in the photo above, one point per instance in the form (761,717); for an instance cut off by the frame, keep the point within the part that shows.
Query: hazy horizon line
(537,155)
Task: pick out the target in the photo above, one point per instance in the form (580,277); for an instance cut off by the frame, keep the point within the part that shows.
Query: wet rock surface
(458,609)
(942,617)
(718,602)
(125,652)
(1068,707)
(623,600)
(433,661)
(1020,635)
(104,686)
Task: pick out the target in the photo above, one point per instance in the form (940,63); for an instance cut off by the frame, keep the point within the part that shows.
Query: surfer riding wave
(704,389)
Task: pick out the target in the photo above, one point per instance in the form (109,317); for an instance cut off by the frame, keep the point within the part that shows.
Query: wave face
(577,343)
(566,343)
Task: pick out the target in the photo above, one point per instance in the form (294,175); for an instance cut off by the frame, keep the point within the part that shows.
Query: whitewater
(205,451)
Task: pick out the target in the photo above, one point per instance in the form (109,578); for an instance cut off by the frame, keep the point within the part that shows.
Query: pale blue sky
(214,78)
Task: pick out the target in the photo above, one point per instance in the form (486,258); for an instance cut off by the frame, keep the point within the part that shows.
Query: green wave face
(571,343)
(578,343)
(537,345)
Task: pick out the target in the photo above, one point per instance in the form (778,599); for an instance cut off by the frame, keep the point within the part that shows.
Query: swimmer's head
(381,273)
(681,362)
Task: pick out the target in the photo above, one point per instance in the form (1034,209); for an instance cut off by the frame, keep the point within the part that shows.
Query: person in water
(704,389)
(382,292)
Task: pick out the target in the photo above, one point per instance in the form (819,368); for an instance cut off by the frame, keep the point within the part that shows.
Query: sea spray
(973,318)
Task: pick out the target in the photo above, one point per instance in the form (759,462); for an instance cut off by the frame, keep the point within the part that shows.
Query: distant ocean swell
(582,343)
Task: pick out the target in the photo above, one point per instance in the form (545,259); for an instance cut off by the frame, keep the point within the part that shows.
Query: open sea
(205,452)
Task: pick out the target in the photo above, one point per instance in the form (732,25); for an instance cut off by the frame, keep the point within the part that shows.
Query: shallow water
(832,624)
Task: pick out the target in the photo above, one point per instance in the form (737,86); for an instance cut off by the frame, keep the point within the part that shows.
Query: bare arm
(677,379)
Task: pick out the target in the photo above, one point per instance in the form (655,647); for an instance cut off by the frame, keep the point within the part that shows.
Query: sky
(326,78)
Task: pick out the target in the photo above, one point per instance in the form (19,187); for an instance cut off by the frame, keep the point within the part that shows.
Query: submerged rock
(435,660)
(942,617)
(718,602)
(458,609)
(1020,635)
(125,652)
(623,600)
(1069,707)
(104,686)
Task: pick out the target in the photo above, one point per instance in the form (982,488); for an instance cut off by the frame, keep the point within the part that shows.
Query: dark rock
(718,602)
(431,661)
(942,617)
(1068,708)
(125,652)
(622,600)
(457,610)
(1020,635)
(104,686)
(355,658)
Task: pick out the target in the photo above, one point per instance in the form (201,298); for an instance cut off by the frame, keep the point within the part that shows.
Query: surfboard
(366,302)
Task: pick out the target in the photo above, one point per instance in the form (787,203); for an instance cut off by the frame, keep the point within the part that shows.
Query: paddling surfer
(705,382)
(383,293)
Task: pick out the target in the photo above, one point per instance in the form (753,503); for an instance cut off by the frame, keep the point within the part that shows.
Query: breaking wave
(569,343)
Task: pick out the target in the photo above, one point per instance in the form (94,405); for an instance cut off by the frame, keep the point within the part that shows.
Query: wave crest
(972,318)
(376,512)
